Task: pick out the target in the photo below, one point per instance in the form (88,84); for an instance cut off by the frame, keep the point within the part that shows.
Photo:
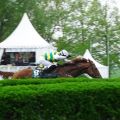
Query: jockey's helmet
(64,53)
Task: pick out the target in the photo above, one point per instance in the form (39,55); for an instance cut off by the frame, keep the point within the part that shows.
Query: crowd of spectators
(18,60)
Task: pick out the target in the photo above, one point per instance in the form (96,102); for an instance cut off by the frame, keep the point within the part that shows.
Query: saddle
(37,73)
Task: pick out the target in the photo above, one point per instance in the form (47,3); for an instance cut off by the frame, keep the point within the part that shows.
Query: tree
(114,40)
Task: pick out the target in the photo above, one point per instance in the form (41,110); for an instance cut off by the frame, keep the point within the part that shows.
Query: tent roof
(104,70)
(24,36)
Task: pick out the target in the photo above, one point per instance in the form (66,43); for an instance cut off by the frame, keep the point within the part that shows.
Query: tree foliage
(86,24)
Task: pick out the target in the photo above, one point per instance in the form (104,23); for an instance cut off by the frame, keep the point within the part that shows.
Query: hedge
(83,100)
(49,81)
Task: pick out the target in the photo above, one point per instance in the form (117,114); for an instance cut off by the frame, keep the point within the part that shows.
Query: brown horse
(72,69)
(6,74)
(78,67)
(25,73)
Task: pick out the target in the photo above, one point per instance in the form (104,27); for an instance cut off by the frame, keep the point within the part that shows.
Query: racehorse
(6,74)
(78,67)
(74,68)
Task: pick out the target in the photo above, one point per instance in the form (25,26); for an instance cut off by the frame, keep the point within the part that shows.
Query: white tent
(25,39)
(104,70)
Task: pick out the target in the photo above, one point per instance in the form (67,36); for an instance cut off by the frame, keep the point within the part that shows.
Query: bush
(79,100)
(36,81)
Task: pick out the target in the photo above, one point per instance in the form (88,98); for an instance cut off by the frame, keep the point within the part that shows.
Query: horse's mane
(67,64)
(75,61)
(79,59)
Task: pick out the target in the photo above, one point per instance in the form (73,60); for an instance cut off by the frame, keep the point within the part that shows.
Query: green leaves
(84,23)
(60,99)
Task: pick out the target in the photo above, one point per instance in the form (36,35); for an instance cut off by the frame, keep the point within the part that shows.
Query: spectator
(18,59)
(32,57)
(5,59)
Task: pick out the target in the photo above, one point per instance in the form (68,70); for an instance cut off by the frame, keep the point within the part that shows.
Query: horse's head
(92,70)
(86,66)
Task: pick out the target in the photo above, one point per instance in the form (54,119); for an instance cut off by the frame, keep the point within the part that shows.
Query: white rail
(11,68)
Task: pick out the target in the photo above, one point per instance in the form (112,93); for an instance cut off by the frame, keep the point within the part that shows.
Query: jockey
(51,58)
